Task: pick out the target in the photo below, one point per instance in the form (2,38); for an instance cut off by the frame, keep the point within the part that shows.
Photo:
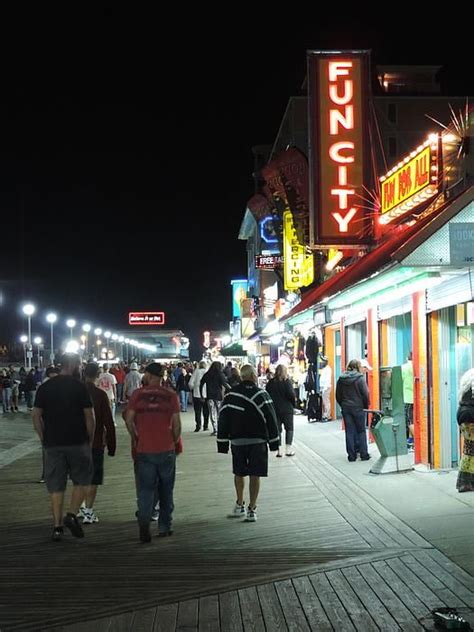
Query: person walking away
(183,389)
(15,378)
(352,395)
(63,418)
(407,381)
(118,372)
(38,377)
(234,378)
(30,389)
(247,420)
(282,393)
(108,383)
(214,381)
(6,391)
(51,372)
(104,435)
(154,423)
(133,380)
(465,419)
(228,371)
(199,403)
(325,384)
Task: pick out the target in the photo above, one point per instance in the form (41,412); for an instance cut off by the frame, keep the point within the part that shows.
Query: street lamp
(38,340)
(71,323)
(86,329)
(24,340)
(51,318)
(29,310)
(72,346)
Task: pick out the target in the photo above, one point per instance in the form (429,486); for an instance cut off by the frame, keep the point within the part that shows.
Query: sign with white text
(268,262)
(146,318)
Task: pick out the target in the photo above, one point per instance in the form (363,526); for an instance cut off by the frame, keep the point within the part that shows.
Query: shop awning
(234,350)
(403,239)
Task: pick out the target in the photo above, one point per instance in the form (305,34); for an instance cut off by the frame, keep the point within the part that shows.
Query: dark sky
(126,146)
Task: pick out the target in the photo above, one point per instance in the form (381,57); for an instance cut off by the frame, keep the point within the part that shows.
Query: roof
(401,242)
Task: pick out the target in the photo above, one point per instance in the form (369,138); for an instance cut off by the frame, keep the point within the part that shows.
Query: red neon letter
(338,118)
(344,222)
(347,95)
(335,152)
(342,194)
(342,176)
(338,68)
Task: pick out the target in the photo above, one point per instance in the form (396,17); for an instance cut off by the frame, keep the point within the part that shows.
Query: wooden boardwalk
(323,555)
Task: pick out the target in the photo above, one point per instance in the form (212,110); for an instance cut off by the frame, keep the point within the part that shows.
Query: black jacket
(352,391)
(283,396)
(247,413)
(465,414)
(214,383)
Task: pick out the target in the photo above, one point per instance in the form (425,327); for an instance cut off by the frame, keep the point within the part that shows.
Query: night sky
(126,153)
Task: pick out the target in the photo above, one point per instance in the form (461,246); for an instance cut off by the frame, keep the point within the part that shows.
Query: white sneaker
(81,513)
(155,515)
(89,517)
(252,515)
(238,511)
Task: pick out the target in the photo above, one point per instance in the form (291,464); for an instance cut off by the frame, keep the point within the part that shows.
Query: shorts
(97,466)
(250,460)
(61,461)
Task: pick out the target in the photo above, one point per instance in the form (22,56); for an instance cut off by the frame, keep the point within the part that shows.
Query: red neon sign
(338,155)
(146,318)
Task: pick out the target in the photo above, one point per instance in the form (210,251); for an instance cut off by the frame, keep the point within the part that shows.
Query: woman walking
(199,403)
(352,395)
(465,417)
(282,393)
(214,381)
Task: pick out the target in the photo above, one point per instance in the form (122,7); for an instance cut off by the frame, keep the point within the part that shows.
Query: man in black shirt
(63,418)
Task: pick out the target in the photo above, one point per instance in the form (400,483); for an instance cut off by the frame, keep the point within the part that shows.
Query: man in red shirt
(154,423)
(119,374)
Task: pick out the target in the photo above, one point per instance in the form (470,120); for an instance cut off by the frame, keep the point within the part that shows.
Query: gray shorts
(59,461)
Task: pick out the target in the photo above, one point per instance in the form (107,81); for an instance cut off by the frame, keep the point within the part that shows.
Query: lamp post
(24,340)
(107,336)
(29,310)
(51,318)
(71,323)
(86,329)
(38,340)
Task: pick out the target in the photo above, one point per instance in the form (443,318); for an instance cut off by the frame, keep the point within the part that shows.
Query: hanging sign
(298,267)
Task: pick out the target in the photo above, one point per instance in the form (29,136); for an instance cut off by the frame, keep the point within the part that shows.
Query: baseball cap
(134,366)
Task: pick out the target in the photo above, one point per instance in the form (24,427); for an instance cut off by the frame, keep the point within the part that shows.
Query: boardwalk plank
(165,618)
(290,605)
(209,614)
(456,571)
(252,617)
(311,605)
(358,614)
(271,608)
(143,620)
(445,576)
(394,605)
(122,623)
(334,608)
(415,584)
(400,588)
(229,607)
(374,606)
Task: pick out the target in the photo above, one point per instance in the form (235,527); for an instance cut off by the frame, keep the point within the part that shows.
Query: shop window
(392,146)
(392,112)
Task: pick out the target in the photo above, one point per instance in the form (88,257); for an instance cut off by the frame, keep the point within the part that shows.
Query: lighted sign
(146,318)
(410,183)
(339,168)
(268,231)
(239,293)
(298,267)
(268,262)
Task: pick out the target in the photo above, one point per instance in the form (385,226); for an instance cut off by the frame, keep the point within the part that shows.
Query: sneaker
(197,429)
(90,517)
(74,526)
(155,515)
(238,511)
(251,515)
(164,534)
(81,513)
(145,535)
(365,458)
(57,534)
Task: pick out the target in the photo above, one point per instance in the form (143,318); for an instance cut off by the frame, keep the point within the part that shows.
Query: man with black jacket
(247,419)
(352,395)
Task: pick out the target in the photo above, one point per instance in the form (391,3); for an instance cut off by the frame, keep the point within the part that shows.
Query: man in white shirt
(108,383)
(132,381)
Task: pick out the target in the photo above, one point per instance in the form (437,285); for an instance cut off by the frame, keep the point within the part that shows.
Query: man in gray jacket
(352,395)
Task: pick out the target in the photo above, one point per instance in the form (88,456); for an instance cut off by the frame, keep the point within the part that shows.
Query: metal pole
(51,355)
(30,346)
(24,353)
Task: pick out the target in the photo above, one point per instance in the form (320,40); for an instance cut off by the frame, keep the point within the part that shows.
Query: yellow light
(450,138)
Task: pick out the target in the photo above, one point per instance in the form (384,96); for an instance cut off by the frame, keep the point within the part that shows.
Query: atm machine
(388,425)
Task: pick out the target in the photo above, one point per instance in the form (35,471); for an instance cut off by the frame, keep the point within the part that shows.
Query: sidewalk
(333,548)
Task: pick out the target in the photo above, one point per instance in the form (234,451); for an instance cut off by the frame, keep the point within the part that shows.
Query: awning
(399,241)
(235,349)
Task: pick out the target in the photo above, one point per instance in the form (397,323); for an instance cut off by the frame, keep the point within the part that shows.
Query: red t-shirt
(119,375)
(154,408)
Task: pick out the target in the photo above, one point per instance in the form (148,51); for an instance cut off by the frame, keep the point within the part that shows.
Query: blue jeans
(6,399)
(156,471)
(183,400)
(30,398)
(356,437)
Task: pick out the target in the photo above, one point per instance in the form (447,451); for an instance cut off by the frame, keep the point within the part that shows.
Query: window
(392,112)
(392,146)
